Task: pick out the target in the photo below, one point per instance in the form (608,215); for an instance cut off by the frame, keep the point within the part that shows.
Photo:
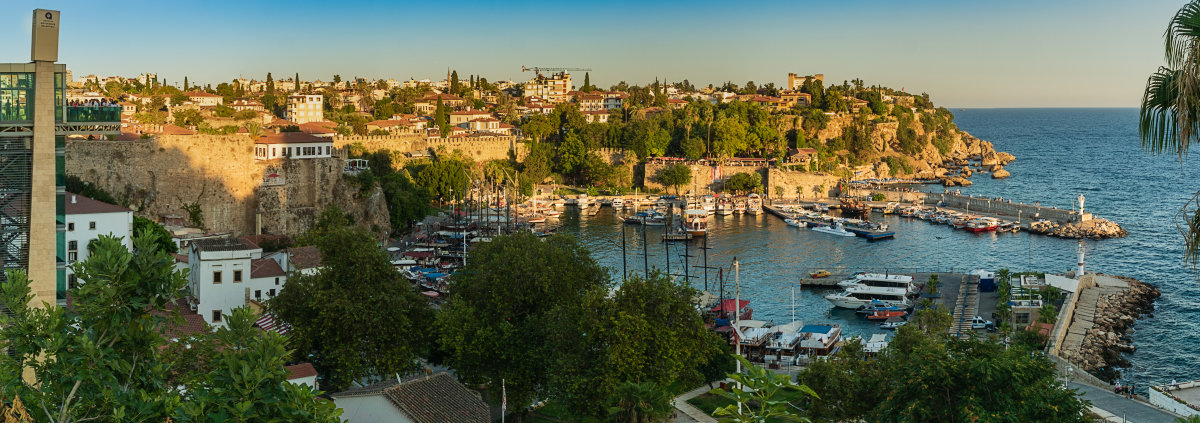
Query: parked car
(980,323)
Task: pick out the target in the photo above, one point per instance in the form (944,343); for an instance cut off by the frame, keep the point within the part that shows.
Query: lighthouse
(1079,272)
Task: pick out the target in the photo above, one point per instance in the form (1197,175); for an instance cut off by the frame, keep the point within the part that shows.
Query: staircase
(965,309)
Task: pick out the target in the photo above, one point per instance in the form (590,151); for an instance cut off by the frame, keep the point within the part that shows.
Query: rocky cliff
(235,192)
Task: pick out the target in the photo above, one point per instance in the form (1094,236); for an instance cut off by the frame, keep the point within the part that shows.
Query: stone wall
(477,148)
(788,181)
(158,176)
(703,182)
(1026,212)
(802,185)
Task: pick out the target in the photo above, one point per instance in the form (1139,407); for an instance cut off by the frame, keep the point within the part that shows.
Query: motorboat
(618,203)
(724,208)
(795,222)
(655,219)
(551,213)
(982,224)
(893,323)
(819,274)
(858,296)
(886,314)
(754,204)
(880,280)
(876,306)
(834,229)
(696,222)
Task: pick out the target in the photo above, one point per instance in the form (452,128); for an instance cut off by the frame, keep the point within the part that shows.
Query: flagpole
(503,401)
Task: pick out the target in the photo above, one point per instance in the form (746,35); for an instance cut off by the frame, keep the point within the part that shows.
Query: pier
(871,235)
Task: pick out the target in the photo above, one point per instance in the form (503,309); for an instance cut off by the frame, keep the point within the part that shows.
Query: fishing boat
(592,210)
(819,274)
(739,206)
(834,229)
(982,224)
(886,314)
(754,204)
(633,220)
(696,222)
(724,208)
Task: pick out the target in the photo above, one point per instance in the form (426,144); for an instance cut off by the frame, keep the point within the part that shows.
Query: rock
(989,159)
(1005,158)
(882,170)
(1000,173)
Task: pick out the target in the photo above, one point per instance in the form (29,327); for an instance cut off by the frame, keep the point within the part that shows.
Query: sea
(1061,153)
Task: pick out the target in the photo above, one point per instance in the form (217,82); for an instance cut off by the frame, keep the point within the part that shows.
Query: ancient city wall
(158,176)
(792,184)
(477,148)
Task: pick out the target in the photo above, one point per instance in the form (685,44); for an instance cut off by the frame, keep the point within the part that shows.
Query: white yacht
(618,203)
(834,229)
(860,295)
(880,280)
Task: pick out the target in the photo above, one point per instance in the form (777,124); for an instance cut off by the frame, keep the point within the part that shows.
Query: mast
(737,315)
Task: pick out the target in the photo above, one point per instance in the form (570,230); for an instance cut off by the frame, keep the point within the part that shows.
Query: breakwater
(1097,321)
(1036,218)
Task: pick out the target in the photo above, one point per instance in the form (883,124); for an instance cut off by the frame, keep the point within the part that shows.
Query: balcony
(90,120)
(93,114)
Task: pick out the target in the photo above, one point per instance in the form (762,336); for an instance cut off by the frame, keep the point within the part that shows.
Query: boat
(724,208)
(722,311)
(592,210)
(754,204)
(551,213)
(886,314)
(819,274)
(696,222)
(739,206)
(632,220)
(876,306)
(893,323)
(859,295)
(982,224)
(708,204)
(834,229)
(795,222)
(819,340)
(618,203)
(880,280)
(655,219)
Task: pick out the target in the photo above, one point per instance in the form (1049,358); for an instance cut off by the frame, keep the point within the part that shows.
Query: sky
(1016,53)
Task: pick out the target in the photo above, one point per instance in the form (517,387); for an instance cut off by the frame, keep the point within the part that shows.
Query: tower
(34,123)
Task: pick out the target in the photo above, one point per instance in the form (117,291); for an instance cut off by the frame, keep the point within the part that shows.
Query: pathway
(689,413)
(1117,408)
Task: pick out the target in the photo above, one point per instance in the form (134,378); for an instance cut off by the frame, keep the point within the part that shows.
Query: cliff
(235,192)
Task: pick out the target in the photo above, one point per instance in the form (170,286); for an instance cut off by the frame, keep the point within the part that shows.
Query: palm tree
(1170,112)
(640,403)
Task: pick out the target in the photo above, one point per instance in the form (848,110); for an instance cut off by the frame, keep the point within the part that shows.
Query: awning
(418,254)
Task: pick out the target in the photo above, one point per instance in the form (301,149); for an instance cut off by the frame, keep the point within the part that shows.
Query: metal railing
(93,113)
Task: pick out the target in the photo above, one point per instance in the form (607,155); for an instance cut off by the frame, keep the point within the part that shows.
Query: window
(216,316)
(217,276)
(72,256)
(237,276)
(72,281)
(258,294)
(72,245)
(272,292)
(92,225)
(276,282)
(71,226)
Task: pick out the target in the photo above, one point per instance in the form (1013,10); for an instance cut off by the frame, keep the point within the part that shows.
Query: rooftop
(265,268)
(79,204)
(221,244)
(306,257)
(290,138)
(297,371)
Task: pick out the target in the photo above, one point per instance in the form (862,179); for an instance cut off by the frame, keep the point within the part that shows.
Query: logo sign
(45,35)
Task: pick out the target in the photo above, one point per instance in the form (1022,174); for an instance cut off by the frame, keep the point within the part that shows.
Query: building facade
(305,108)
(226,273)
(794,81)
(295,145)
(87,219)
(553,88)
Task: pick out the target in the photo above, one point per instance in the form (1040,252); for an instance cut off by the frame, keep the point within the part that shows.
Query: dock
(677,236)
(870,235)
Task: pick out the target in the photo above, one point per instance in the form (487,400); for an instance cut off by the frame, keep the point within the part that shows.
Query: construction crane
(538,69)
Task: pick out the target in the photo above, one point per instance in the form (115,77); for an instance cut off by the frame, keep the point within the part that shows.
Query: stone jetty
(1091,229)
(1103,314)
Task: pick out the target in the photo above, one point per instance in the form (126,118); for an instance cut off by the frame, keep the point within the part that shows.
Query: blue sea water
(1061,153)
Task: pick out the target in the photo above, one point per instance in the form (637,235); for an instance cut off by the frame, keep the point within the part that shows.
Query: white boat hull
(832,231)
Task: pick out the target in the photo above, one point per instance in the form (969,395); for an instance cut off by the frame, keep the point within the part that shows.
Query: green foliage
(943,145)
(356,316)
(407,202)
(507,302)
(232,390)
(674,176)
(75,185)
(159,235)
(640,402)
(755,393)
(878,197)
(898,165)
(932,377)
(744,183)
(189,117)
(195,214)
(444,179)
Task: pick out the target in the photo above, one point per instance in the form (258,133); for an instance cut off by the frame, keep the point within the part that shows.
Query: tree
(185,83)
(1170,112)
(297,81)
(674,176)
(356,317)
(755,393)
(189,117)
(231,390)
(744,183)
(538,127)
(105,349)
(441,117)
(642,402)
(587,83)
(454,83)
(497,326)
(161,238)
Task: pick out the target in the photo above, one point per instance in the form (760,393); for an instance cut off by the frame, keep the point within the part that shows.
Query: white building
(226,273)
(295,145)
(87,219)
(421,399)
(205,99)
(305,108)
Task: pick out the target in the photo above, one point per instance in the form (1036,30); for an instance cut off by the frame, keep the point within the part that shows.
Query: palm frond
(1183,30)
(1188,222)
(1169,119)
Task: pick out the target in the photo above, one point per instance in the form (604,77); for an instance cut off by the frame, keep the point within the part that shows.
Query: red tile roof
(79,204)
(170,129)
(304,257)
(302,370)
(438,399)
(265,268)
(471,112)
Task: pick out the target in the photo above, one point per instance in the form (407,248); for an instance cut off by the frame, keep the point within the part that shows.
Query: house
(801,155)
(428,104)
(304,260)
(436,398)
(303,374)
(614,100)
(201,98)
(487,124)
(226,273)
(321,129)
(588,101)
(794,81)
(675,103)
(295,145)
(305,108)
(251,105)
(790,99)
(86,220)
(596,116)
(459,118)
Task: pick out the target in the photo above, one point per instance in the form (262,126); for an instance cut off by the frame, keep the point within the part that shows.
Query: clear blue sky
(964,54)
